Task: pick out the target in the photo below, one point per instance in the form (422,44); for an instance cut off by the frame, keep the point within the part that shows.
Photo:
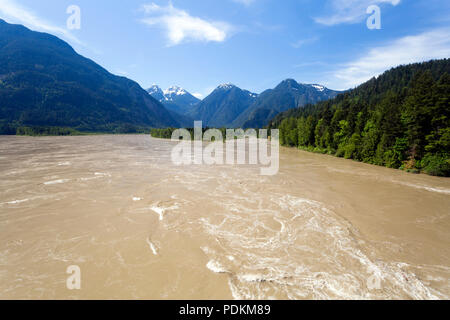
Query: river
(140,227)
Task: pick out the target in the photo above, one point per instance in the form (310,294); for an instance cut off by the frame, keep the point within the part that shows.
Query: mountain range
(289,94)
(45,83)
(233,107)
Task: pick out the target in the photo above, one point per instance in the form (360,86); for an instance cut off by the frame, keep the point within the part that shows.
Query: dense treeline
(399,120)
(166,133)
(46,131)
(15,129)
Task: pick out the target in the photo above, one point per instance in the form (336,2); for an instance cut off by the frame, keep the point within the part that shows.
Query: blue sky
(255,44)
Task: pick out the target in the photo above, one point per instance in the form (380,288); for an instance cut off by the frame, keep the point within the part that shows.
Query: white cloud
(182,27)
(434,44)
(198,95)
(350,11)
(13,12)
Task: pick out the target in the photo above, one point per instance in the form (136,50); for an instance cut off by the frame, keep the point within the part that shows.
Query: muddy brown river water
(140,227)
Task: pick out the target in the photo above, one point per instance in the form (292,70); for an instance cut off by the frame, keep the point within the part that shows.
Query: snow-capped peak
(154,88)
(174,96)
(175,90)
(156,92)
(226,86)
(318,87)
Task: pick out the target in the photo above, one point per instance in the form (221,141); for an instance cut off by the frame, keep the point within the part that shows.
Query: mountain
(174,98)
(44,82)
(400,119)
(223,106)
(156,93)
(287,95)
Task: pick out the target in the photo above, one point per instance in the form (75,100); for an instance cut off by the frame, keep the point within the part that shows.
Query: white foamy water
(313,235)
(216,267)
(152,247)
(101,174)
(438,190)
(60,181)
(159,211)
(16,201)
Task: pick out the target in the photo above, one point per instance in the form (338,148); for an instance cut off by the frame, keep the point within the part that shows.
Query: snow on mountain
(156,92)
(174,98)
(226,86)
(229,86)
(318,87)
(174,91)
(167,95)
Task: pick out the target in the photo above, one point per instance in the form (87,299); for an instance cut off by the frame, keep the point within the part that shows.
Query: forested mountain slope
(44,82)
(399,120)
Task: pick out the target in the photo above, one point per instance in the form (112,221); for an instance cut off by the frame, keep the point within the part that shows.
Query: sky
(254,44)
